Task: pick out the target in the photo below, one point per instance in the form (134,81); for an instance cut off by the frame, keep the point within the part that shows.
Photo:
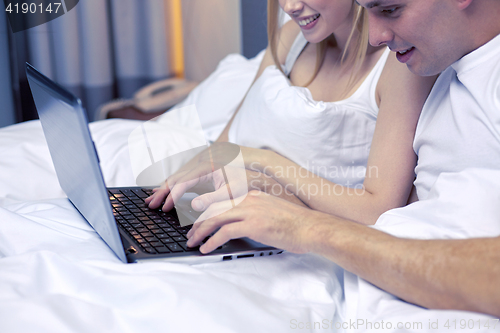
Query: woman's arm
(392,159)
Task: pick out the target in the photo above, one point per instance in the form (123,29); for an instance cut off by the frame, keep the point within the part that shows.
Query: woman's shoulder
(396,75)
(288,34)
(402,91)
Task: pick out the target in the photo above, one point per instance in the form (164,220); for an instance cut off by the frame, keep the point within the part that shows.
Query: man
(459,129)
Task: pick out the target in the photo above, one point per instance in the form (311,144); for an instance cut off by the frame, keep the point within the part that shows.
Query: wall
(212,30)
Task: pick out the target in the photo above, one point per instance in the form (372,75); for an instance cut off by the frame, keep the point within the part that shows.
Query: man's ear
(463,4)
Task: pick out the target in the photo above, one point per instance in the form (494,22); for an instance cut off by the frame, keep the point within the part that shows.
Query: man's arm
(439,274)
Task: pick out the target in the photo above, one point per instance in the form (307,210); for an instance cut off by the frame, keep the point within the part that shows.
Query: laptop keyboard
(155,232)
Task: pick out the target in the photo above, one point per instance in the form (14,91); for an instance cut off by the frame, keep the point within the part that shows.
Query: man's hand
(261,217)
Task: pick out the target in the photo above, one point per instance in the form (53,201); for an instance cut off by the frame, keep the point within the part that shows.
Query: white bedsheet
(58,276)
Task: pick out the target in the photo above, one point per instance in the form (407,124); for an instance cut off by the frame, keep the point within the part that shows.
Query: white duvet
(57,275)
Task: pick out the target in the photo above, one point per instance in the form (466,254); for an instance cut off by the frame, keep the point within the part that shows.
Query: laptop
(134,232)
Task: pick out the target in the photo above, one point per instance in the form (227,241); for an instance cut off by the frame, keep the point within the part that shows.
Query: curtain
(7,111)
(253,26)
(100,50)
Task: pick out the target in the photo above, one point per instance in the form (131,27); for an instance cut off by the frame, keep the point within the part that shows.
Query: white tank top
(330,139)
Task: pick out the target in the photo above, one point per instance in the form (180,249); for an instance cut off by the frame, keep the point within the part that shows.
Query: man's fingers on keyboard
(193,229)
(224,235)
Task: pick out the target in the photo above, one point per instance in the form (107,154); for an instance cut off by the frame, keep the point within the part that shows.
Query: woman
(315,101)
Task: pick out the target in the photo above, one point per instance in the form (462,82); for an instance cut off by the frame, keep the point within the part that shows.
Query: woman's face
(318,19)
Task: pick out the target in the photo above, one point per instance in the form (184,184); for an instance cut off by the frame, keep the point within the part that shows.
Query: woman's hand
(224,184)
(240,186)
(218,166)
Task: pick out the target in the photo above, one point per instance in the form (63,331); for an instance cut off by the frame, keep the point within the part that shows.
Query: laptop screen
(73,152)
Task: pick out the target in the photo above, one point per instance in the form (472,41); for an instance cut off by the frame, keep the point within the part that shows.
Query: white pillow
(218,96)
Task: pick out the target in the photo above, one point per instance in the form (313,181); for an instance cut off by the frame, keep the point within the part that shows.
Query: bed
(57,275)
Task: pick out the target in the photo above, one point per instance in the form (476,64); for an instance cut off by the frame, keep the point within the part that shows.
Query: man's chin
(422,71)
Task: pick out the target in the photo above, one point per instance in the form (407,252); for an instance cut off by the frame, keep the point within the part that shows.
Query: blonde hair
(353,59)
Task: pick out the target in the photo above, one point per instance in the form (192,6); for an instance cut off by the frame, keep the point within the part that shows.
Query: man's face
(424,33)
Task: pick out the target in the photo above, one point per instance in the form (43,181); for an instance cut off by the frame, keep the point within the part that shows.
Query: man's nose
(379,32)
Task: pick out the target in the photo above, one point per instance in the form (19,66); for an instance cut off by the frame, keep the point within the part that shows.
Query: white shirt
(458,183)
(459,126)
